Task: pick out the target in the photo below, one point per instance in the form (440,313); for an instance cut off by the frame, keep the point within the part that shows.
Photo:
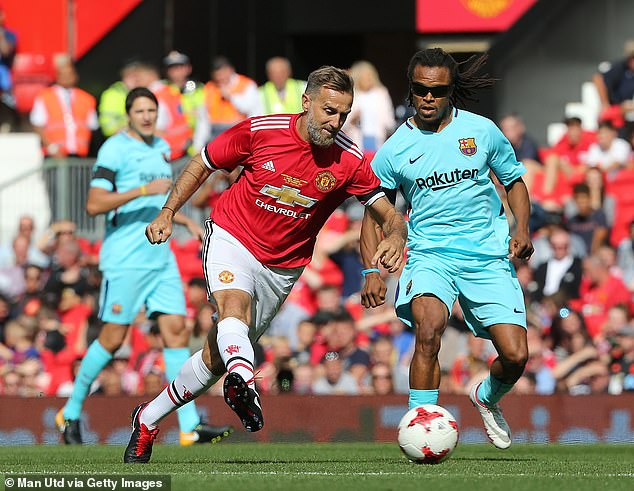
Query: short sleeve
(105,168)
(229,149)
(364,183)
(502,158)
(383,169)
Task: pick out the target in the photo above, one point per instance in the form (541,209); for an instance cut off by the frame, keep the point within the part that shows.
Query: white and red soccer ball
(428,434)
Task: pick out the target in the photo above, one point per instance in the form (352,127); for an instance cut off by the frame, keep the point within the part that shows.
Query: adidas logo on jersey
(269,166)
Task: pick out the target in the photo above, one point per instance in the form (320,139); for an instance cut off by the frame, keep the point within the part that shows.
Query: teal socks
(97,357)
(418,397)
(491,390)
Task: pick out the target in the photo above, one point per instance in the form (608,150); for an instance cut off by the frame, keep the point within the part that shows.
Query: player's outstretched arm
(389,251)
(192,177)
(520,245)
(101,200)
(374,289)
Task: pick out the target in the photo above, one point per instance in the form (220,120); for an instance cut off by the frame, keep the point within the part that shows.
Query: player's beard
(316,135)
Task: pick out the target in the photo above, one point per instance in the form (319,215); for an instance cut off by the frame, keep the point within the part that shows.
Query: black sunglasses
(437,91)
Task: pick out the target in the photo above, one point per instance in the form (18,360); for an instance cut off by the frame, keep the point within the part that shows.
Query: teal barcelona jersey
(124,163)
(446,179)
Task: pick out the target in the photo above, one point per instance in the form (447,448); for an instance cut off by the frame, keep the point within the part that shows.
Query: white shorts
(228,265)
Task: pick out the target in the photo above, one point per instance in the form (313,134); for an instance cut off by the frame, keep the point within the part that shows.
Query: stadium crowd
(578,285)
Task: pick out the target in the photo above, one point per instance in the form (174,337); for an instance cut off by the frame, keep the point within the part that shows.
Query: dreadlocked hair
(464,75)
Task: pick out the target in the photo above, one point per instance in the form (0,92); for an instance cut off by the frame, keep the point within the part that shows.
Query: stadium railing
(58,190)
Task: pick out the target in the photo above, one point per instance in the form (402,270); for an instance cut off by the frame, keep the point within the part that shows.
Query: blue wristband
(369,270)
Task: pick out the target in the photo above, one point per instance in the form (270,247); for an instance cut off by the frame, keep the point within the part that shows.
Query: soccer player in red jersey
(298,168)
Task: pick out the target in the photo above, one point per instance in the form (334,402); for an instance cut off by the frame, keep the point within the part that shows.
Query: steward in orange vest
(230,97)
(64,116)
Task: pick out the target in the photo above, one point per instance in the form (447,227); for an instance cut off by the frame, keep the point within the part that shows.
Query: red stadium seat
(31,73)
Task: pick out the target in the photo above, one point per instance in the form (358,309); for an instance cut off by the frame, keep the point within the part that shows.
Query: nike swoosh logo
(518,311)
(411,160)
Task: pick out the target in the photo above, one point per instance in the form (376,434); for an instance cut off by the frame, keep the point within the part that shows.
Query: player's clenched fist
(161,228)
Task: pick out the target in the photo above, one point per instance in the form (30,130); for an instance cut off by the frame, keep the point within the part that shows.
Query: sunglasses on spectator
(379,376)
(436,91)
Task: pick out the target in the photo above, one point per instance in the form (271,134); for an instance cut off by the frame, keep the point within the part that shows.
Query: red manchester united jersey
(287,189)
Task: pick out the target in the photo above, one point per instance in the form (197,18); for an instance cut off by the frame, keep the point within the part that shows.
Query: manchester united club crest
(325,181)
(226,276)
(468,146)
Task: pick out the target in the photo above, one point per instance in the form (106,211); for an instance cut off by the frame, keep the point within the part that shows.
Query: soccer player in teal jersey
(443,160)
(130,182)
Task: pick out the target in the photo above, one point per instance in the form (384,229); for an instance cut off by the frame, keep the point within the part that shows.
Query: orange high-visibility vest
(179,134)
(60,122)
(220,109)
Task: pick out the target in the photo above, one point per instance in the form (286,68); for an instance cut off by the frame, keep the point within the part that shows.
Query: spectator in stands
(64,115)
(67,272)
(610,153)
(541,361)
(178,70)
(303,379)
(562,272)
(471,367)
(599,291)
(381,380)
(591,225)
(372,118)
(281,93)
(622,361)
(543,250)
(230,96)
(26,250)
(5,315)
(8,43)
(30,301)
(112,115)
(343,250)
(615,86)
(625,258)
(12,274)
(618,318)
(342,338)
(526,149)
(565,158)
(305,337)
(335,381)
(578,365)
(599,198)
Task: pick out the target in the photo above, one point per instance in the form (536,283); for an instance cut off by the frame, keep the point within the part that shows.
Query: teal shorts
(124,291)
(487,289)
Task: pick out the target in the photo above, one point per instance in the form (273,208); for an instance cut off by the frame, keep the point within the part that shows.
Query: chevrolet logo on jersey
(288,196)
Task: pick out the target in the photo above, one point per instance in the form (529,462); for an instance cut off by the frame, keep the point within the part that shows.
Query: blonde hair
(359,68)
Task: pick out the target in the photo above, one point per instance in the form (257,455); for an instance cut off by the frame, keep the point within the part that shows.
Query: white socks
(193,379)
(236,349)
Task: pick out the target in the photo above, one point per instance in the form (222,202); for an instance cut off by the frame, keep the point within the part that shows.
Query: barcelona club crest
(468,146)
(325,181)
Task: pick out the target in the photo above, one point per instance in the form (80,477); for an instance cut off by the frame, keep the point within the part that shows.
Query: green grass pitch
(347,466)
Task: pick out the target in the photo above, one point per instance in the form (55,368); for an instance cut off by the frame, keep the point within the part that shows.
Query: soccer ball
(428,434)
